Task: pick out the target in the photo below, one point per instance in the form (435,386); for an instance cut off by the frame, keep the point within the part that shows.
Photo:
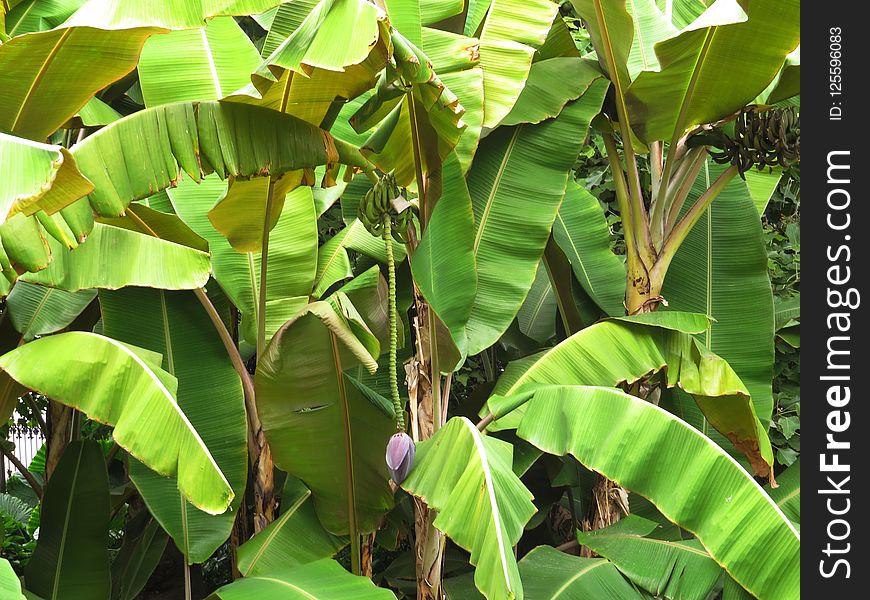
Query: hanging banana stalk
(386,214)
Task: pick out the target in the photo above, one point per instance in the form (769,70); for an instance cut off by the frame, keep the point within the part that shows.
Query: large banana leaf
(691,480)
(513,30)
(10,587)
(670,569)
(36,310)
(175,325)
(517,183)
(721,270)
(143,546)
(650,27)
(168,14)
(46,77)
(114,257)
(482,505)
(788,495)
(443,264)
(36,177)
(306,73)
(552,83)
(549,574)
(199,138)
(207,63)
(71,559)
(614,352)
(321,580)
(125,387)
(28,16)
(294,538)
(583,235)
(290,252)
(320,427)
(699,80)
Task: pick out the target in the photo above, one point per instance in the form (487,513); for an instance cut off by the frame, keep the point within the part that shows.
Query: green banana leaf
(238,274)
(610,353)
(306,73)
(320,427)
(482,505)
(115,258)
(691,480)
(199,138)
(516,185)
(537,315)
(296,537)
(549,574)
(552,83)
(36,177)
(28,16)
(699,81)
(175,325)
(47,76)
(168,14)
(321,580)
(10,587)
(164,225)
(581,231)
(513,30)
(117,384)
(788,495)
(207,63)
(141,550)
(71,559)
(36,310)
(718,268)
(667,569)
(761,186)
(443,263)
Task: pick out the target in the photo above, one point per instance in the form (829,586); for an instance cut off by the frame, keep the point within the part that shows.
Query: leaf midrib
(495,185)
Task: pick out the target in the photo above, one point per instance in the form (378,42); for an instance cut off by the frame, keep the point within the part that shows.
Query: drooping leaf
(551,85)
(116,384)
(516,185)
(650,27)
(668,569)
(482,505)
(71,559)
(553,575)
(699,80)
(321,580)
(28,16)
(36,310)
(583,235)
(610,353)
(199,138)
(175,325)
(115,258)
(321,429)
(691,480)
(36,177)
(296,537)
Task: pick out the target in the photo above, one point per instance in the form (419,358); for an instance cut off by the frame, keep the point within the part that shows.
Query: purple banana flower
(400,456)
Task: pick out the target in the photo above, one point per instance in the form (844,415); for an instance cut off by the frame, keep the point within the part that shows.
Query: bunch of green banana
(761,139)
(377,210)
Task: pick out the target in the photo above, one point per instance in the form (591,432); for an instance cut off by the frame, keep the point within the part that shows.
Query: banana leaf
(321,580)
(175,325)
(320,427)
(71,559)
(36,310)
(610,353)
(10,587)
(549,574)
(482,505)
(125,387)
(691,480)
(141,550)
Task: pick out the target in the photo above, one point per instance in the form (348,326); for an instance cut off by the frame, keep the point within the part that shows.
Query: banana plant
(262,244)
